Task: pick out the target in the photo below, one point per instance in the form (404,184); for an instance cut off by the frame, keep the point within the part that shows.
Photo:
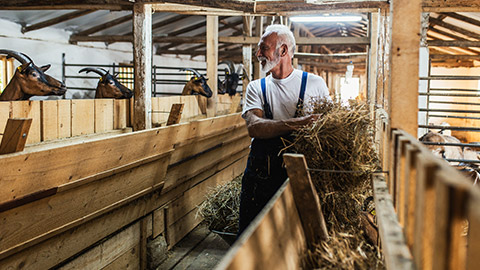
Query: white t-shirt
(283,94)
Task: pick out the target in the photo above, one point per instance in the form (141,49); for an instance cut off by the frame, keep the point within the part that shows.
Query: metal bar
(464,160)
(447,95)
(433,78)
(447,110)
(451,128)
(456,103)
(472,145)
(454,89)
(82,88)
(455,116)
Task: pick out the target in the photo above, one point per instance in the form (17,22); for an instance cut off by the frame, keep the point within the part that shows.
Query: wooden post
(142,61)
(372,62)
(258,33)
(175,114)
(296,33)
(306,199)
(212,62)
(15,135)
(247,52)
(405,36)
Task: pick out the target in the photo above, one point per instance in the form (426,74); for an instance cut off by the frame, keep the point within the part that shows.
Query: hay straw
(340,145)
(221,208)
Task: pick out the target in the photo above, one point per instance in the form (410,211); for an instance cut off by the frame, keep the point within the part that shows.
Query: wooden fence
(93,204)
(55,119)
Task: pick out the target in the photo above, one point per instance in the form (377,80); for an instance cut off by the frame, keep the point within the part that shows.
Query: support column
(372,61)
(405,36)
(258,33)
(212,63)
(247,52)
(142,61)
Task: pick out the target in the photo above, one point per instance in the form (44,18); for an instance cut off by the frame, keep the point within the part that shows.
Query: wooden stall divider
(411,158)
(175,114)
(15,135)
(306,199)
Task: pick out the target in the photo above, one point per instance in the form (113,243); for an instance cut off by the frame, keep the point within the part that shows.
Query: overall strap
(302,93)
(266,106)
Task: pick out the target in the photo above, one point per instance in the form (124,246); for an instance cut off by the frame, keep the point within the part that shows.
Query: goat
(230,83)
(30,80)
(108,85)
(196,85)
(453,152)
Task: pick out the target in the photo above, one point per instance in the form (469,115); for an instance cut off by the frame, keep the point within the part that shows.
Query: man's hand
(259,127)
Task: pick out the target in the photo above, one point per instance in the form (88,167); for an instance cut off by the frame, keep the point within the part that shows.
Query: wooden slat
(29,109)
(103,115)
(83,112)
(4,115)
(397,255)
(155,112)
(120,113)
(274,239)
(175,114)
(158,226)
(212,60)
(15,135)
(400,179)
(55,20)
(127,261)
(410,194)
(473,260)
(64,118)
(49,109)
(306,199)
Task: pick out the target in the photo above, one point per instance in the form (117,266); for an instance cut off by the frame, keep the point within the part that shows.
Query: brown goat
(30,80)
(197,85)
(108,86)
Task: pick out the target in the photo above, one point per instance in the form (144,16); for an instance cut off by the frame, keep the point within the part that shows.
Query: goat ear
(45,68)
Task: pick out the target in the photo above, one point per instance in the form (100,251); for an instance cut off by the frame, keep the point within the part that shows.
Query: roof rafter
(56,20)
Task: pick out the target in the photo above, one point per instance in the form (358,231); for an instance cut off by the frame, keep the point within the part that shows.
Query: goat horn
(230,65)
(22,58)
(100,72)
(192,70)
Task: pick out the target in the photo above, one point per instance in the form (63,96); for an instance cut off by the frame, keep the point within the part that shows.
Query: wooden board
(15,135)
(175,114)
(120,113)
(103,115)
(29,109)
(83,121)
(64,118)
(274,240)
(4,115)
(127,261)
(49,113)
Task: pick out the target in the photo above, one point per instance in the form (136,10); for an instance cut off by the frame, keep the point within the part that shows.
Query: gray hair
(285,36)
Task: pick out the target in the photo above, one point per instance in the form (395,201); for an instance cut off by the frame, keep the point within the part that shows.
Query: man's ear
(284,50)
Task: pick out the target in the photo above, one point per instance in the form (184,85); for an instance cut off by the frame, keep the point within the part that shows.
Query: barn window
(125,76)
(6,71)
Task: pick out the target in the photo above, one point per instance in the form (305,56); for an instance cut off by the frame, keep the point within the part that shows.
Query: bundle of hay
(338,148)
(221,208)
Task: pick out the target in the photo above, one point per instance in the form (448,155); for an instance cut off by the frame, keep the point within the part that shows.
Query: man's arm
(259,127)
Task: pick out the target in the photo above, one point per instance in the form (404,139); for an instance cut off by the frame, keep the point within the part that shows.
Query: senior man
(271,110)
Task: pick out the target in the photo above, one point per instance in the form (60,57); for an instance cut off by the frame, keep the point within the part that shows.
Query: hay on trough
(221,208)
(338,148)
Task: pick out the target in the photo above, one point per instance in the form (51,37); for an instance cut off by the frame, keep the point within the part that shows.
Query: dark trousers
(263,176)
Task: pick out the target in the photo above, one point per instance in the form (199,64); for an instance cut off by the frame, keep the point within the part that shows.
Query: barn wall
(45,46)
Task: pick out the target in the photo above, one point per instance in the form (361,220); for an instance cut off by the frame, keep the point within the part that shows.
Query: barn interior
(103,183)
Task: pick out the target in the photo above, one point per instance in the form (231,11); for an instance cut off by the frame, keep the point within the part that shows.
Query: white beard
(269,64)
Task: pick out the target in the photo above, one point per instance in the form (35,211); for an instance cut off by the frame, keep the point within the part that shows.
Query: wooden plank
(120,113)
(89,201)
(274,239)
(400,179)
(83,113)
(410,194)
(103,115)
(29,109)
(127,261)
(15,135)
(473,237)
(49,113)
(56,20)
(158,226)
(394,247)
(143,235)
(191,108)
(175,114)
(182,227)
(64,118)
(76,161)
(306,199)
(247,52)
(106,252)
(4,115)
(142,61)
(155,112)
(56,249)
(212,60)
(373,58)
(235,106)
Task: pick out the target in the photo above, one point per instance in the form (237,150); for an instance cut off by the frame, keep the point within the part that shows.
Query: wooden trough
(92,204)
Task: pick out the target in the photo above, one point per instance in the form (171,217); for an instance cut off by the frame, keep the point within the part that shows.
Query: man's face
(268,54)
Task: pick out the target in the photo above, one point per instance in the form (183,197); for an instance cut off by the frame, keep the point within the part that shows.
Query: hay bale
(221,208)
(338,148)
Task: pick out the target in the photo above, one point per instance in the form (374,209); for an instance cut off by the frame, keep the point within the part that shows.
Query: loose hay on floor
(221,208)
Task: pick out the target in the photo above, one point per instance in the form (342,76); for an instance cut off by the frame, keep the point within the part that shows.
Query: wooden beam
(101,27)
(372,60)
(454,28)
(463,18)
(213,7)
(454,57)
(247,52)
(66,4)
(453,43)
(175,114)
(212,62)
(142,58)
(15,135)
(306,199)
(56,20)
(450,5)
(405,40)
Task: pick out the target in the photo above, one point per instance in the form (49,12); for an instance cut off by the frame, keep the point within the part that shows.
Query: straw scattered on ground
(221,208)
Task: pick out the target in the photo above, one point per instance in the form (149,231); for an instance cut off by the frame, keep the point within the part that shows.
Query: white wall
(46,46)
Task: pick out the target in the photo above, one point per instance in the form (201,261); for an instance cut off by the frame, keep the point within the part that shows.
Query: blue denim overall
(265,172)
